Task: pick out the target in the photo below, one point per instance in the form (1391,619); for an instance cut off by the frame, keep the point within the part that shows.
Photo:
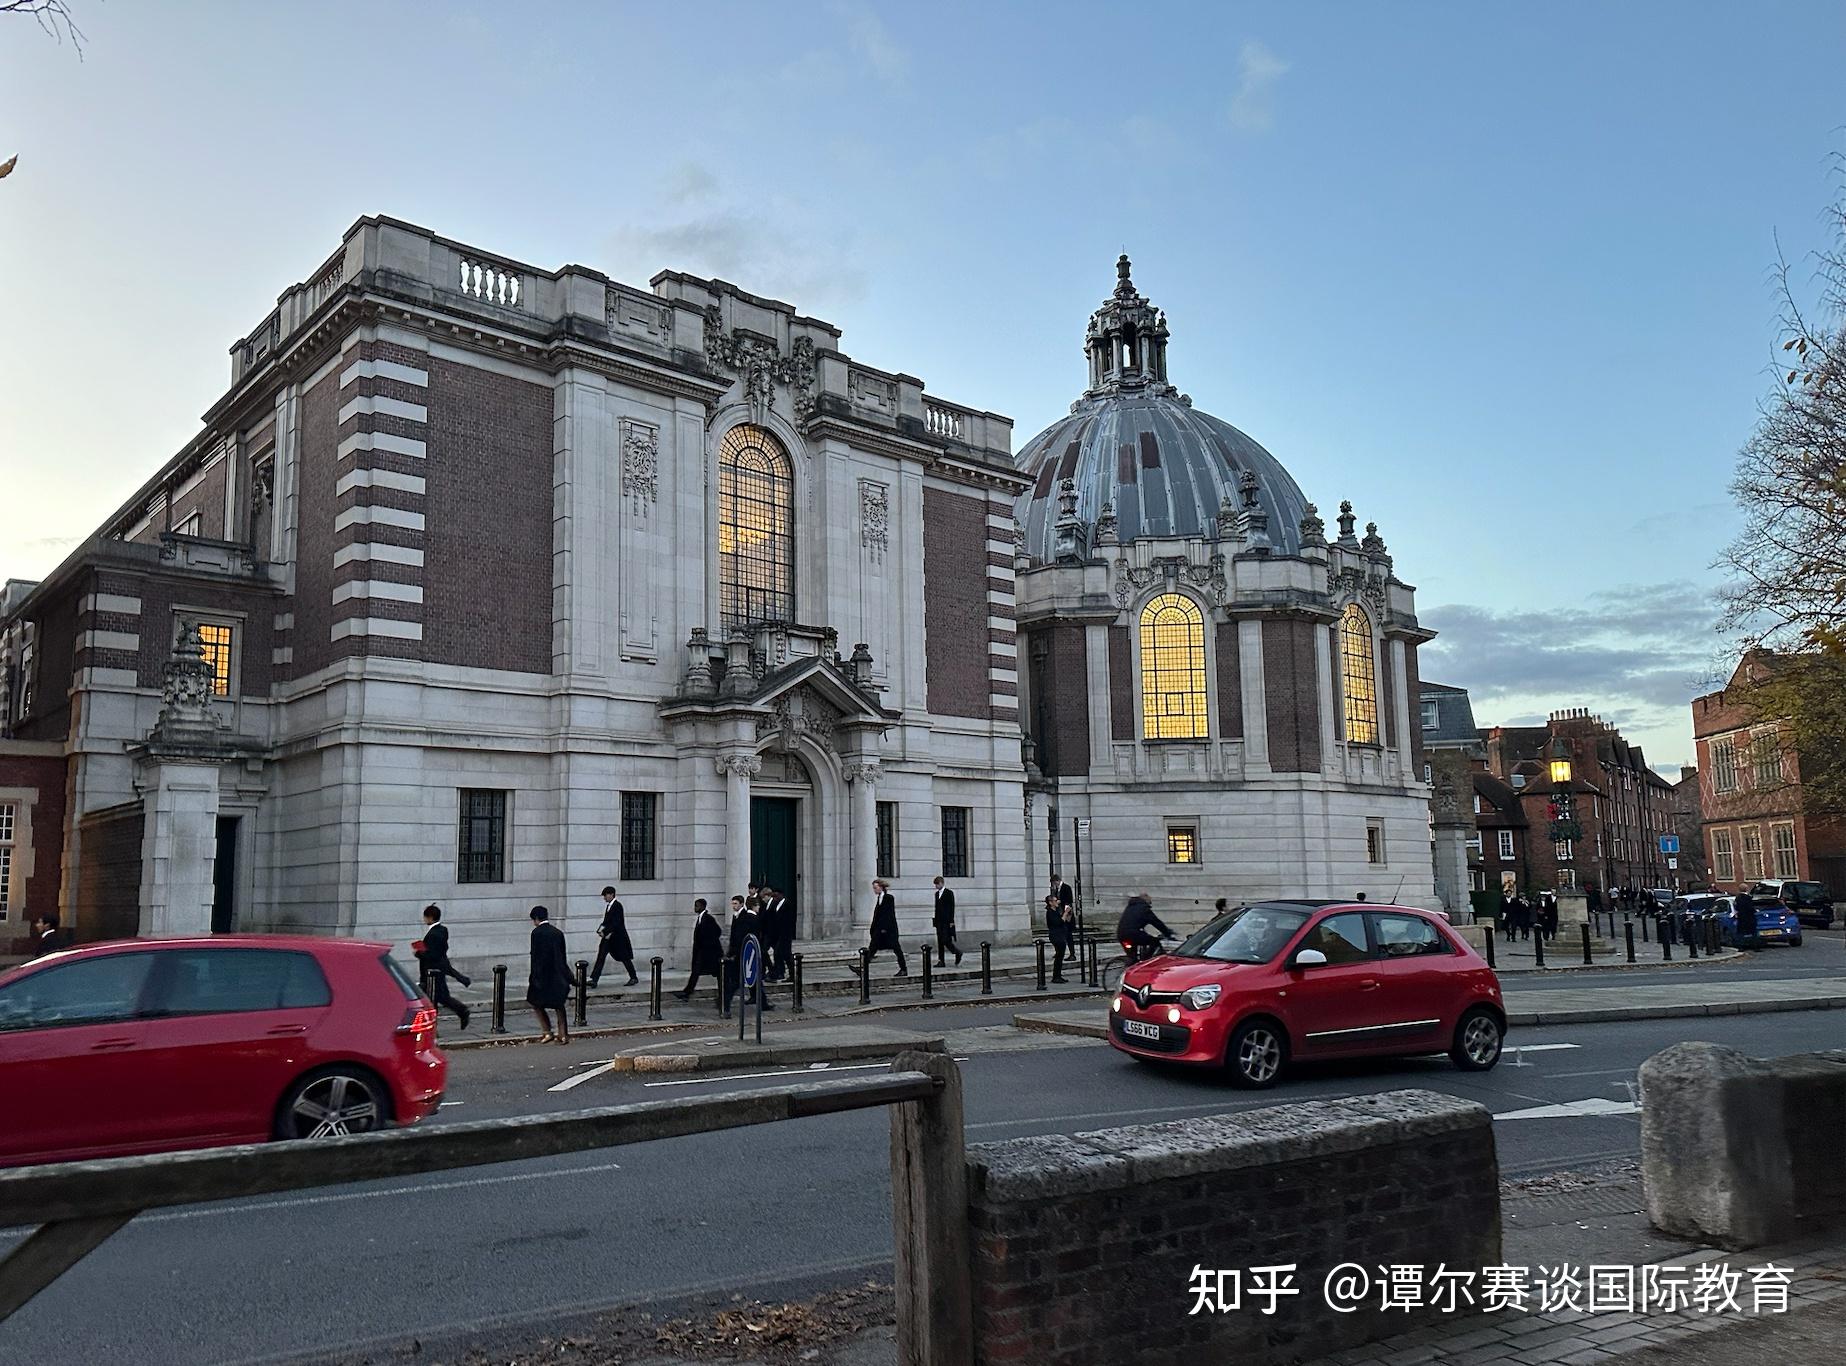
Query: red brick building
(1752,813)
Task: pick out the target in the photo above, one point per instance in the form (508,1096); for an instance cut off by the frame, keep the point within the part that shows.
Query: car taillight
(418,1019)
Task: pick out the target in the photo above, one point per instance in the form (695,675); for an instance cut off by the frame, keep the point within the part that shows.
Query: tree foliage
(1788,566)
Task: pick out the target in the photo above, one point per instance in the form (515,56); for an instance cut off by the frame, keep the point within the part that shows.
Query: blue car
(1775,924)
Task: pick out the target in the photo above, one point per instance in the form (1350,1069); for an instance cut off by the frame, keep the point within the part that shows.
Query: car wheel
(331,1103)
(1478,1037)
(1795,942)
(1257,1053)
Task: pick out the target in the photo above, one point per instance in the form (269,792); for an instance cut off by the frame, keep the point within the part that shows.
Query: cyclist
(1131,929)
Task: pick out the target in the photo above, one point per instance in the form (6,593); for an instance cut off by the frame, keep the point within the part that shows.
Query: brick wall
(310,637)
(955,616)
(487,573)
(1291,696)
(108,899)
(1230,682)
(251,613)
(1061,701)
(1122,683)
(1084,1246)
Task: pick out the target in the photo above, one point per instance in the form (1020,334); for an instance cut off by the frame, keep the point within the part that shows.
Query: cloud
(1636,655)
(872,42)
(766,244)
(1259,71)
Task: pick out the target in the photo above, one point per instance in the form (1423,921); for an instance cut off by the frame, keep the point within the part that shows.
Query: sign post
(752,971)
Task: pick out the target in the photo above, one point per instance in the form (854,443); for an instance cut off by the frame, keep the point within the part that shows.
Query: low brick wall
(1084,1246)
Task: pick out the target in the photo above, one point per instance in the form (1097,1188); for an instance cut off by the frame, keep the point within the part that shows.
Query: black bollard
(1692,941)
(929,982)
(1094,959)
(1643,929)
(1039,945)
(1666,947)
(1628,934)
(799,1005)
(1587,960)
(583,992)
(865,977)
(1716,940)
(1538,948)
(987,969)
(499,1025)
(653,989)
(1490,962)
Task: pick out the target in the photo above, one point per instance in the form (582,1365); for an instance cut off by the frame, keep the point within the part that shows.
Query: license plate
(1135,1029)
(1771,934)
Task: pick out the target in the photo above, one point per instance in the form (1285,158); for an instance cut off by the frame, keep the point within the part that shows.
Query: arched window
(1172,669)
(756,529)
(1358,676)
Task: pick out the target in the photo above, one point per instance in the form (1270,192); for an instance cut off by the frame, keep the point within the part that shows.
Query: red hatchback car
(1264,984)
(143,1046)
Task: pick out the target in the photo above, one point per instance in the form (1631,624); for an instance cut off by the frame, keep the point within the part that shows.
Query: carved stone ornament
(1346,522)
(862,771)
(640,465)
(1106,526)
(1210,577)
(1313,529)
(186,715)
(874,518)
(1354,583)
(1247,488)
(1132,580)
(262,486)
(802,713)
(1373,544)
(749,765)
(1229,527)
(762,365)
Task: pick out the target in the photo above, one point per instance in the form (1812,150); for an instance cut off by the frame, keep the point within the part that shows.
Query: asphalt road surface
(784,1208)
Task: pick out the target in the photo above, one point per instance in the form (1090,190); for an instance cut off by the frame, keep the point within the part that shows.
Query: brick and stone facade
(1280,787)
(458,521)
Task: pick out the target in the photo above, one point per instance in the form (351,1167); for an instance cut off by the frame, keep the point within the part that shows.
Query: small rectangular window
(1519,780)
(215,641)
(9,815)
(1432,713)
(1563,850)
(1752,852)
(1722,851)
(887,839)
(1766,759)
(1781,838)
(481,855)
(955,841)
(638,836)
(1724,765)
(1506,844)
(1374,841)
(1182,844)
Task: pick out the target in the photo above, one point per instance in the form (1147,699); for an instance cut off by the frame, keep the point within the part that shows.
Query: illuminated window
(216,643)
(1173,669)
(1182,844)
(756,542)
(1359,675)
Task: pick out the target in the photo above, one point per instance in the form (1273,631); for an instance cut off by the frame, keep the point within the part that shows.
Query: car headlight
(1201,998)
(1116,1005)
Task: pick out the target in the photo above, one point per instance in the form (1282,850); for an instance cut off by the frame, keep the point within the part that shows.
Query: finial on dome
(1123,285)
(1346,523)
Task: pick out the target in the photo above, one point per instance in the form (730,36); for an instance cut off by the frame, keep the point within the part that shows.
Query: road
(279,1277)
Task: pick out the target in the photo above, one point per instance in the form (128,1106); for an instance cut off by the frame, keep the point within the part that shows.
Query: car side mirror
(1310,958)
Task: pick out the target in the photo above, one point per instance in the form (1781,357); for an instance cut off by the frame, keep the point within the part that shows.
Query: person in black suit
(612,937)
(884,928)
(707,948)
(778,932)
(944,921)
(433,957)
(49,938)
(1061,928)
(744,923)
(1066,898)
(549,983)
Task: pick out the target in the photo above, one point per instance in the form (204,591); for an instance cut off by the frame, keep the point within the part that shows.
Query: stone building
(1221,692)
(488,585)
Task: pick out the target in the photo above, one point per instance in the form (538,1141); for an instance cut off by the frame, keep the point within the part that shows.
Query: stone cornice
(877,441)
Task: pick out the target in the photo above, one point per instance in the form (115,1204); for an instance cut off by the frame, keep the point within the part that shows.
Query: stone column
(179,849)
(1255,702)
(737,770)
(1449,828)
(1400,708)
(863,774)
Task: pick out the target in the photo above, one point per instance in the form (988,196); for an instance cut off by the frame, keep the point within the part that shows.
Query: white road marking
(1541,1047)
(755,1076)
(1574,1109)
(582,1077)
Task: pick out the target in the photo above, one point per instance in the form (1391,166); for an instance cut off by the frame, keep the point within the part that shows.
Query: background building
(1752,811)
(1224,694)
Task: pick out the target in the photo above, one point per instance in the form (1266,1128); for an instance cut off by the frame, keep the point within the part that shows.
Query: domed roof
(1135,443)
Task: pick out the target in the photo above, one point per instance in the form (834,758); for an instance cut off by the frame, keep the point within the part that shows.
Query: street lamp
(1560,765)
(1563,819)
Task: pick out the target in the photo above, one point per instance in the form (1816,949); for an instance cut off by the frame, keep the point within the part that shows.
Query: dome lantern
(1126,340)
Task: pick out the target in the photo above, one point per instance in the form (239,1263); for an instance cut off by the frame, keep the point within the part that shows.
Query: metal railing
(77,1206)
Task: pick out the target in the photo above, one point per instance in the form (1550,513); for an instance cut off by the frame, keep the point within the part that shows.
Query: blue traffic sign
(1669,844)
(753,961)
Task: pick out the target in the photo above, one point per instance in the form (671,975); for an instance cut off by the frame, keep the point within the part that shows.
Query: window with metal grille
(1374,842)
(9,815)
(481,853)
(638,836)
(215,642)
(1358,676)
(955,841)
(1173,669)
(1182,844)
(1782,844)
(1752,852)
(1724,765)
(756,541)
(1766,759)
(887,839)
(1722,866)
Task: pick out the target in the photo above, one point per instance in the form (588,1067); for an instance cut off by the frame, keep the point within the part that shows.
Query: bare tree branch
(54,16)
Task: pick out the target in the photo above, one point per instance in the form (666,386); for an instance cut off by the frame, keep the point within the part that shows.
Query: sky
(1501,275)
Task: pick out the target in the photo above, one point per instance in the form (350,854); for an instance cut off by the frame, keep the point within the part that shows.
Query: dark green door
(224,877)
(772,843)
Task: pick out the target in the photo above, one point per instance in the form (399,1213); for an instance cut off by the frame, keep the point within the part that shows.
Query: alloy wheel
(333,1106)
(1481,1041)
(1259,1057)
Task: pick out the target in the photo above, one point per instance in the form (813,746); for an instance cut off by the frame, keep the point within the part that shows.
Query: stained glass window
(1359,675)
(756,541)
(1173,669)
(216,643)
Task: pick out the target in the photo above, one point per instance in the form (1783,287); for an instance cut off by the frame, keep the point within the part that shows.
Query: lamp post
(1573,905)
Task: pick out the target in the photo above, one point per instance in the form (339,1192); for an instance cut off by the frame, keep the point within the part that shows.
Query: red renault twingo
(1276,981)
(144,1046)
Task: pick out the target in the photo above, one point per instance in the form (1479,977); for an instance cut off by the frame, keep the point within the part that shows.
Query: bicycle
(1113,969)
